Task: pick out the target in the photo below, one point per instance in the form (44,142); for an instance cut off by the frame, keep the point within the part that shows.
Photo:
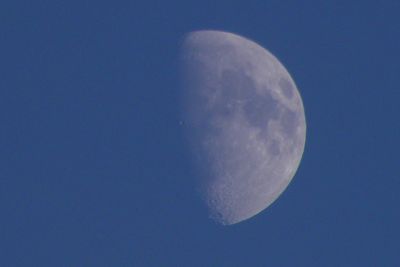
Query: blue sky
(93,168)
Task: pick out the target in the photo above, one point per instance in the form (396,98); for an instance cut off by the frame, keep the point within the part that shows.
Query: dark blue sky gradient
(93,168)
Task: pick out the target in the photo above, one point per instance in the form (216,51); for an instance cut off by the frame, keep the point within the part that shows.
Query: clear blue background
(93,168)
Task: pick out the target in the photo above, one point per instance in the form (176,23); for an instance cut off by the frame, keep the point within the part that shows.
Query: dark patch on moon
(287,87)
(289,122)
(275,148)
(260,109)
(238,92)
(235,87)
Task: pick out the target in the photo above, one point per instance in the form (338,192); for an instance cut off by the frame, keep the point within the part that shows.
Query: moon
(244,122)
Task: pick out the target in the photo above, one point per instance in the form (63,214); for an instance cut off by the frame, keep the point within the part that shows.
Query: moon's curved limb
(245,121)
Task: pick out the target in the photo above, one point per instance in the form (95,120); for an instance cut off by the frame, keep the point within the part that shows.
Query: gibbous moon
(244,121)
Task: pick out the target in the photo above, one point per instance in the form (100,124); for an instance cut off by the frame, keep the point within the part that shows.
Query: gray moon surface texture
(244,122)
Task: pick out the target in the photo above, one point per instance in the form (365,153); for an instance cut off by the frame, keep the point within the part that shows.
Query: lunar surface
(244,121)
